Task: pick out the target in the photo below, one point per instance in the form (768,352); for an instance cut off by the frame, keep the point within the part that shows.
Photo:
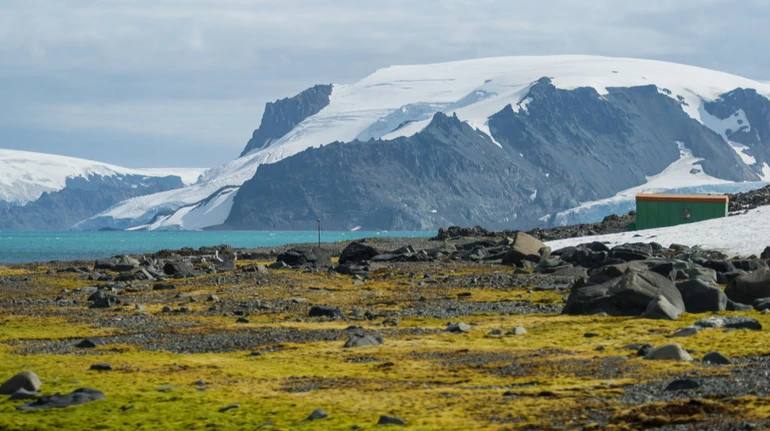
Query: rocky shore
(468,330)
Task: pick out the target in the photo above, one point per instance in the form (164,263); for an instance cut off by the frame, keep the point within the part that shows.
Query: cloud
(176,70)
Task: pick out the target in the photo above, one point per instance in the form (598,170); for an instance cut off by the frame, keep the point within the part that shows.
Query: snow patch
(740,235)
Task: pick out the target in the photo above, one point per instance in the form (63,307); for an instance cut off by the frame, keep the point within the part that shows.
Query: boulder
(683,385)
(661,308)
(390,420)
(582,255)
(179,269)
(313,257)
(25,380)
(357,252)
(352,268)
(360,339)
(627,295)
(700,296)
(715,358)
(524,247)
(458,327)
(669,352)
(102,299)
(324,311)
(749,287)
(749,265)
(317,414)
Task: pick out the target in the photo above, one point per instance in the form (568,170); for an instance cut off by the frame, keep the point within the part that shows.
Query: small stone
(672,352)
(363,340)
(686,332)
(643,350)
(229,407)
(715,358)
(519,330)
(166,309)
(495,333)
(26,380)
(85,344)
(390,420)
(212,298)
(459,327)
(242,320)
(101,366)
(683,385)
(317,414)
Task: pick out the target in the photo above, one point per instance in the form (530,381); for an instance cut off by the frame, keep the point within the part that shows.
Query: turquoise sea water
(17,247)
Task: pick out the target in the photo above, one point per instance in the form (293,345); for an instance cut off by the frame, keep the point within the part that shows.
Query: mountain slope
(45,191)
(486,93)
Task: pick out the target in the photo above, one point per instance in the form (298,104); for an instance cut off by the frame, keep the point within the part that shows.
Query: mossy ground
(553,377)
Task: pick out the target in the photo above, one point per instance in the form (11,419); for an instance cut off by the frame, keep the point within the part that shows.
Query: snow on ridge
(26,175)
(472,89)
(741,235)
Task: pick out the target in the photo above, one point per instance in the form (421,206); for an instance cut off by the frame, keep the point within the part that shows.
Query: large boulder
(25,380)
(627,295)
(633,251)
(179,269)
(357,252)
(524,247)
(749,287)
(668,352)
(700,296)
(296,258)
(582,255)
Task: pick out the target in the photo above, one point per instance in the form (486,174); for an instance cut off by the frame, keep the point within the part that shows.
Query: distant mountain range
(45,192)
(509,142)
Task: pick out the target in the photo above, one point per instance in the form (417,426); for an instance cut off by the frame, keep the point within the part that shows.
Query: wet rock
(317,414)
(683,385)
(749,287)
(26,380)
(661,308)
(100,366)
(74,398)
(715,358)
(390,420)
(670,352)
(459,327)
(324,311)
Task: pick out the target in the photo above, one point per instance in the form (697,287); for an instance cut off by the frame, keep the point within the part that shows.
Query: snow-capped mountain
(46,191)
(550,132)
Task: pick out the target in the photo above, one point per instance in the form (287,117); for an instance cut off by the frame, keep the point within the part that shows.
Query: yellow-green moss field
(566,372)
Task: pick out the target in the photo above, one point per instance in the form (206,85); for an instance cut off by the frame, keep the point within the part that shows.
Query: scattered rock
(317,414)
(102,299)
(524,247)
(519,330)
(361,339)
(671,352)
(229,407)
(686,332)
(700,296)
(85,344)
(26,380)
(715,358)
(458,327)
(324,311)
(357,252)
(101,366)
(683,385)
(390,420)
(74,398)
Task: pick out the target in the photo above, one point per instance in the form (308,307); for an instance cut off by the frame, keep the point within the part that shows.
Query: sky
(155,83)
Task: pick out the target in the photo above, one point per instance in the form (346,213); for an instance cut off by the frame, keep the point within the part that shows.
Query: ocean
(21,247)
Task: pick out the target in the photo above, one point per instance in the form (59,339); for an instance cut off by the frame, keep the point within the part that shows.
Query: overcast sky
(183,82)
